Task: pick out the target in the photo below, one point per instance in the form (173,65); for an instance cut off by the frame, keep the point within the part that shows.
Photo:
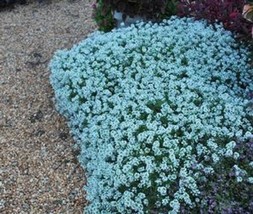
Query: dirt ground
(39,172)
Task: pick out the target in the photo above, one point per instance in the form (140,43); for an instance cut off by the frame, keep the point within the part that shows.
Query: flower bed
(163,116)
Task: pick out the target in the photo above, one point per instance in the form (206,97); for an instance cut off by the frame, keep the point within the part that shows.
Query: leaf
(248,12)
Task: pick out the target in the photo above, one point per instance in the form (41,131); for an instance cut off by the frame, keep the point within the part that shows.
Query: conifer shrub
(163,116)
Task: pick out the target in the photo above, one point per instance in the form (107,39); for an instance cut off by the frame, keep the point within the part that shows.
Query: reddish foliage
(229,12)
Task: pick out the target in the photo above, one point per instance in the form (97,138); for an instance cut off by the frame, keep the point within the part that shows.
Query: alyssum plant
(163,114)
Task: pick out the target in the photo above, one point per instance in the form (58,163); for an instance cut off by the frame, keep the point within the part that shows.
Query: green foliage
(155,10)
(102,14)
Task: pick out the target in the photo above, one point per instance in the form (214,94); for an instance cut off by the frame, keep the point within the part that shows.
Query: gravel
(39,172)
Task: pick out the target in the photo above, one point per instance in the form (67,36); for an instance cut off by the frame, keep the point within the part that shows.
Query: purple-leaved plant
(228,12)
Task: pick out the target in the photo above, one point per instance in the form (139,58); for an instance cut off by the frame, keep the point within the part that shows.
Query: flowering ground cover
(163,116)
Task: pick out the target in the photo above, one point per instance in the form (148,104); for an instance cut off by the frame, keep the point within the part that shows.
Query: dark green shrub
(152,10)
(102,14)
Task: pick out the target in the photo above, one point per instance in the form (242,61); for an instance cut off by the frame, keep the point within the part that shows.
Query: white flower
(250,180)
(153,108)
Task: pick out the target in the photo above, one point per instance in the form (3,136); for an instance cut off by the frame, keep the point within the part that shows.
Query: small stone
(63,135)
(2,204)
(39,133)
(38,116)
(57,202)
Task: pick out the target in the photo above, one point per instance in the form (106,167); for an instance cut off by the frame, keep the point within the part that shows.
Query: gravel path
(38,169)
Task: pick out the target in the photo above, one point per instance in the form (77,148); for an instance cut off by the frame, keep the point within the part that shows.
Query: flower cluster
(155,108)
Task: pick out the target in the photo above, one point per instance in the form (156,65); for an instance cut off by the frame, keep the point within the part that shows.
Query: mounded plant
(163,116)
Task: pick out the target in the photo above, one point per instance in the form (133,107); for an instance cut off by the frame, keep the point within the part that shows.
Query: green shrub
(151,10)
(103,16)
